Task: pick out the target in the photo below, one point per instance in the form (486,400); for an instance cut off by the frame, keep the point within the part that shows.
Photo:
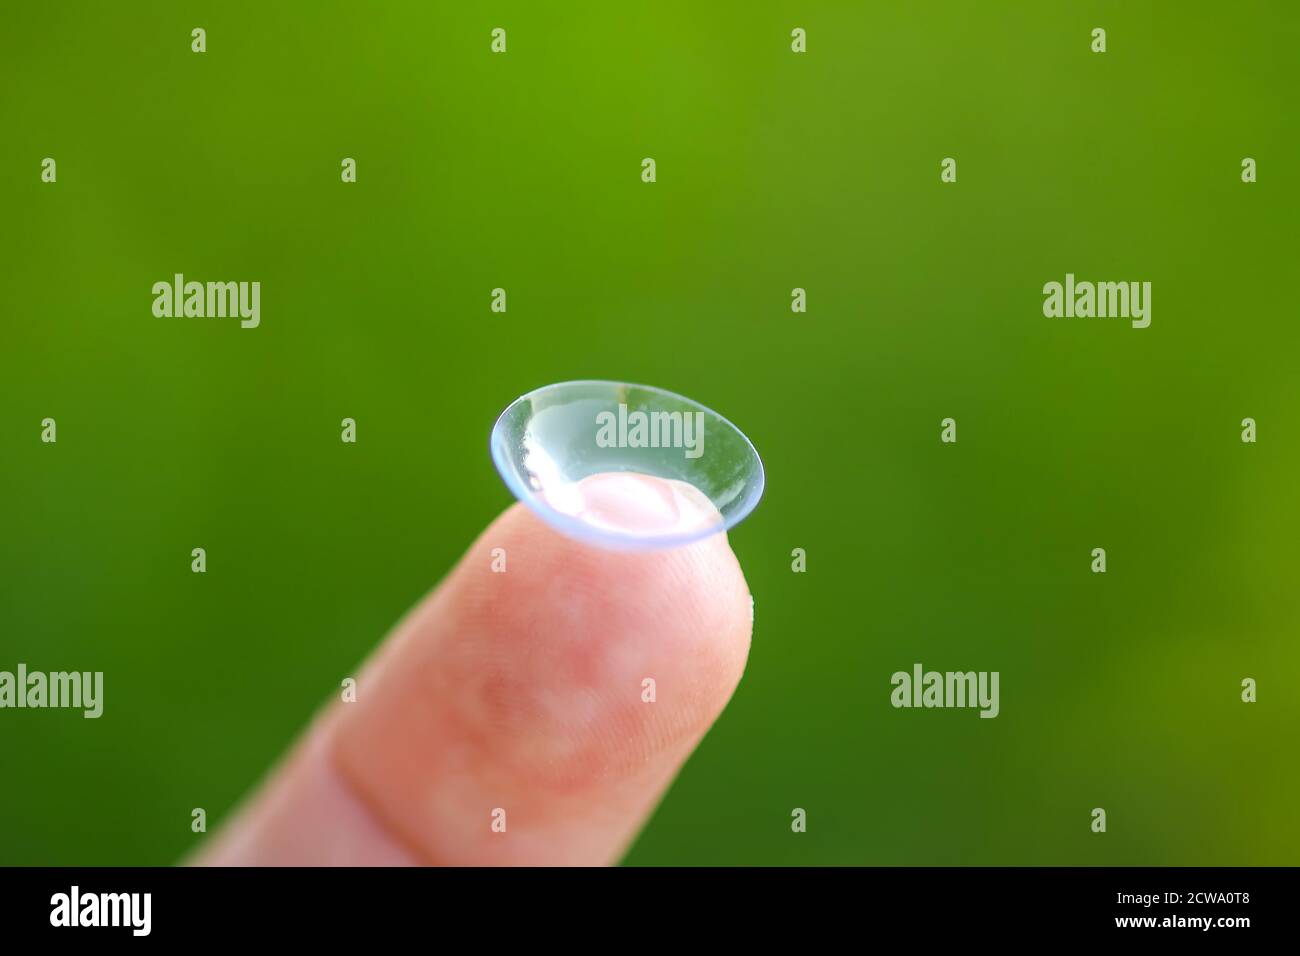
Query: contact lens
(626,466)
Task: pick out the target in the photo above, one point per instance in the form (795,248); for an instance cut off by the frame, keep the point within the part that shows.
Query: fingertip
(566,681)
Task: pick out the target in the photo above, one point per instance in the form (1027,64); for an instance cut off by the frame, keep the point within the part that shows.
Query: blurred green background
(775,170)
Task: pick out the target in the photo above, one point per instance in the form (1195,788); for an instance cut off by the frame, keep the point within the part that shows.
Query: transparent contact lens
(626,466)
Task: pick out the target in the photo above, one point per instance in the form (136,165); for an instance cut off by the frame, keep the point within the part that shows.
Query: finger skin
(515,698)
(305,816)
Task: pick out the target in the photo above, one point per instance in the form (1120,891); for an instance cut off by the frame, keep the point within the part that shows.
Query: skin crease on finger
(515,698)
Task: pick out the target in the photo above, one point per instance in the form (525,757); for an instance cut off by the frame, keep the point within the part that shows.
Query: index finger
(528,716)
